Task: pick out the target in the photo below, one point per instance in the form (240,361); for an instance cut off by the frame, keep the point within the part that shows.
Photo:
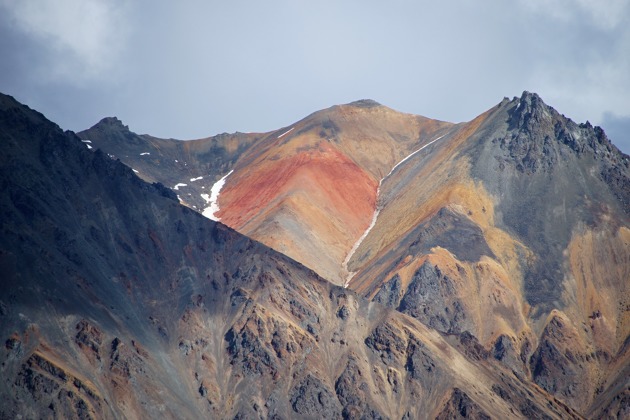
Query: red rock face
(307,190)
(315,202)
(323,174)
(310,191)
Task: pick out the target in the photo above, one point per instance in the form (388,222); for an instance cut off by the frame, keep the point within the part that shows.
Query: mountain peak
(529,111)
(531,116)
(112,123)
(365,103)
(530,96)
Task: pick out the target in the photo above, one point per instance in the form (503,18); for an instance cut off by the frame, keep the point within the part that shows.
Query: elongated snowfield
(286,132)
(213,199)
(358,242)
(410,155)
(377,211)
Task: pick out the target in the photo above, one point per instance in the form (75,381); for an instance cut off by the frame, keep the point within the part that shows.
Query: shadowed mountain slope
(190,167)
(117,302)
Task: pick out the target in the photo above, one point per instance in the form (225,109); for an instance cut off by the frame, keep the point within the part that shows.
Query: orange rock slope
(310,190)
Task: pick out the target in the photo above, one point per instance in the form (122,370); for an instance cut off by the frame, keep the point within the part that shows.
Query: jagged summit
(539,136)
(111,123)
(530,111)
(528,97)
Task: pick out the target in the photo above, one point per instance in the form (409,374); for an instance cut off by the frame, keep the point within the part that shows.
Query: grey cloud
(199,68)
(82,37)
(618,130)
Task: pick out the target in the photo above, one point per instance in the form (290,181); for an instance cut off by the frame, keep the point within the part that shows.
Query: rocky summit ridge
(485,266)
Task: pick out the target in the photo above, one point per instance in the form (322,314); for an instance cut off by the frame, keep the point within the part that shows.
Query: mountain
(515,228)
(117,301)
(307,190)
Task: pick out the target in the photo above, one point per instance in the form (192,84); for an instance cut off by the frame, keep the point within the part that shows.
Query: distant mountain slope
(117,302)
(307,190)
(193,166)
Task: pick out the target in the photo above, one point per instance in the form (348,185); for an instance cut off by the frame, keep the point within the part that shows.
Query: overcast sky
(191,69)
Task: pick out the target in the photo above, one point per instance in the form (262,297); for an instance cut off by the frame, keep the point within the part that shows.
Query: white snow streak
(358,242)
(410,155)
(286,132)
(213,199)
(176,187)
(86,141)
(135,171)
(196,179)
(145,153)
(376,213)
(88,146)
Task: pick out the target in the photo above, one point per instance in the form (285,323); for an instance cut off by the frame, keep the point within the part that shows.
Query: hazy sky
(191,69)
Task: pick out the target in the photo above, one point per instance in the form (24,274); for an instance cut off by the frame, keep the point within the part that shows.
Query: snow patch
(286,132)
(196,179)
(176,187)
(213,198)
(88,146)
(86,141)
(145,153)
(135,171)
